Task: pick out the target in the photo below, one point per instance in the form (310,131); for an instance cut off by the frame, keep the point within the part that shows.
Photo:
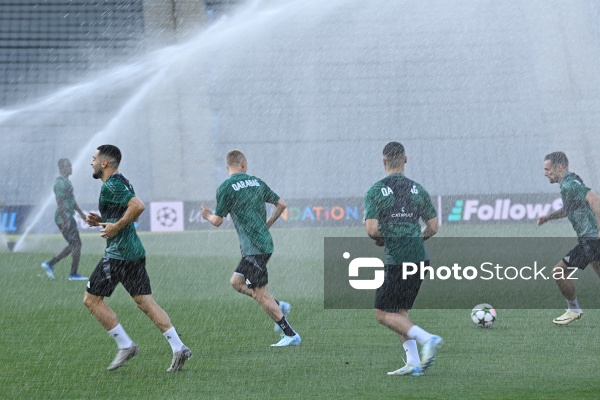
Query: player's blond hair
(235,157)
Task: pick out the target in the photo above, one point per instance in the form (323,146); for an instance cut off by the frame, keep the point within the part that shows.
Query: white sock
(173,338)
(420,335)
(573,305)
(121,337)
(412,352)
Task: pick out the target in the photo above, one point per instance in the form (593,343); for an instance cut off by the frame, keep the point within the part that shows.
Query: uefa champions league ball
(483,315)
(166,216)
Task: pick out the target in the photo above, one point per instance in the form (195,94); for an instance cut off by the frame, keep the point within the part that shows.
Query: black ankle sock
(285,327)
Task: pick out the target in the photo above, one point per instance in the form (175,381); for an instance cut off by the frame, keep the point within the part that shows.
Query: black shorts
(254,269)
(110,272)
(70,231)
(585,252)
(396,293)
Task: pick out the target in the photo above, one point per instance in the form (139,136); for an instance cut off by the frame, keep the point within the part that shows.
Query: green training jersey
(399,204)
(579,212)
(114,196)
(244,197)
(63,191)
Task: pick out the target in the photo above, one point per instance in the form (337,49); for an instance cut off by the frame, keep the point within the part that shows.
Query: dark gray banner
(463,272)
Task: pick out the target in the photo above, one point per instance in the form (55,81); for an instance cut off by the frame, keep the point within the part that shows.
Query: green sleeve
(373,201)
(223,204)
(428,210)
(576,191)
(269,195)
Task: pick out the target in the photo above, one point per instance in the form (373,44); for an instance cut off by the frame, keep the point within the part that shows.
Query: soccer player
(582,206)
(244,197)
(124,261)
(394,207)
(66,206)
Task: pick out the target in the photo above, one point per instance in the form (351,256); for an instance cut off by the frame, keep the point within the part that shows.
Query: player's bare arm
(558,214)
(372,226)
(431,228)
(81,213)
(280,207)
(93,219)
(135,207)
(210,217)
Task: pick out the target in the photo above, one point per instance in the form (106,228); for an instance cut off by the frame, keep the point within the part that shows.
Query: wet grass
(52,348)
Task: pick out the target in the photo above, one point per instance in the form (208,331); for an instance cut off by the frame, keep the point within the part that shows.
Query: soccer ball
(483,315)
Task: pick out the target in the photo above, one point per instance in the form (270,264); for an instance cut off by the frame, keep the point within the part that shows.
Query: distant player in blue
(64,217)
(395,207)
(582,206)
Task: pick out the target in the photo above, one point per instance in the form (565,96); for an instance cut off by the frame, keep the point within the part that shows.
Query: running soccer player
(66,206)
(582,206)
(244,197)
(394,207)
(124,261)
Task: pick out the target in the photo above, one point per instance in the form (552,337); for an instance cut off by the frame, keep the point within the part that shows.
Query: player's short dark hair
(393,153)
(110,152)
(558,157)
(63,162)
(235,157)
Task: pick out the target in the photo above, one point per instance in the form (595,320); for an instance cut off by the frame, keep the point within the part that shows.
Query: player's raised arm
(135,207)
(553,215)
(280,207)
(210,217)
(431,228)
(372,227)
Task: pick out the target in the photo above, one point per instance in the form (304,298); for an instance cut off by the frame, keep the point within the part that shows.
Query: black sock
(285,327)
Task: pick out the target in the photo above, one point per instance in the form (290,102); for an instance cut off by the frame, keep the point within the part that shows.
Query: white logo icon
(166,216)
(365,262)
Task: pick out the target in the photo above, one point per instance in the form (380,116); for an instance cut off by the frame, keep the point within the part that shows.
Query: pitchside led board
(170,216)
(497,208)
(505,272)
(299,213)
(346,212)
(13,218)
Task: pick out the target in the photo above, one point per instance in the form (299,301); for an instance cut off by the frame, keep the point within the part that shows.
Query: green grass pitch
(52,348)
